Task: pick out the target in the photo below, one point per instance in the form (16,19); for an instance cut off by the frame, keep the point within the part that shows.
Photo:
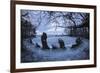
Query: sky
(50,30)
(43,27)
(37,17)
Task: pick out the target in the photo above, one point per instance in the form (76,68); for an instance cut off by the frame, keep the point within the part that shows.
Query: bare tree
(66,20)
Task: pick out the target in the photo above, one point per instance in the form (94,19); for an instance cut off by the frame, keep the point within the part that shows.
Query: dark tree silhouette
(74,23)
(27,29)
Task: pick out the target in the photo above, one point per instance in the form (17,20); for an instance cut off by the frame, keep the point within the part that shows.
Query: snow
(36,54)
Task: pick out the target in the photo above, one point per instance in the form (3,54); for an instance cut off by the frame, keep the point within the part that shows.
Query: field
(35,53)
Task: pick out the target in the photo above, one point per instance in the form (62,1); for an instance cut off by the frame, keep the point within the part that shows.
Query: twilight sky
(41,19)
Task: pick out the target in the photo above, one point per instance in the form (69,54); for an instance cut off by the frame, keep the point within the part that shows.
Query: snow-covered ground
(36,54)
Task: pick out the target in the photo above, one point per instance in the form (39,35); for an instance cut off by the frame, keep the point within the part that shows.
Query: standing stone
(44,41)
(61,43)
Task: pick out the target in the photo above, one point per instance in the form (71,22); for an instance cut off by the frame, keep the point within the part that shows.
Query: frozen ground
(36,54)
